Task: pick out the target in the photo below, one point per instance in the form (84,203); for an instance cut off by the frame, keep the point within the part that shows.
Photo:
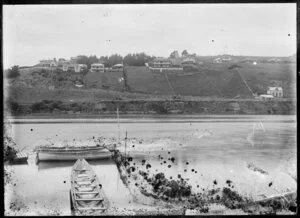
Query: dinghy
(86,192)
(72,153)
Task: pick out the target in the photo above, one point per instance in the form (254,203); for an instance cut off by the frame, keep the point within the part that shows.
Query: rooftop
(97,64)
(267,96)
(275,88)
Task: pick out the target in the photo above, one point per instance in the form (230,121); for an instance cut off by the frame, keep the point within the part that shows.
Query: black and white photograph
(150,109)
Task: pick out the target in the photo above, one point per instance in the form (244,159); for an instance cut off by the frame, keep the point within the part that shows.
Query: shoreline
(112,118)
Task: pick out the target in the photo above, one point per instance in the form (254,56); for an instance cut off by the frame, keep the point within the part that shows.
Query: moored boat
(20,158)
(72,153)
(86,192)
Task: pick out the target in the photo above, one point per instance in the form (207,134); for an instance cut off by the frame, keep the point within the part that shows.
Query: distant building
(65,67)
(189,62)
(74,67)
(48,63)
(97,67)
(274,60)
(61,62)
(226,59)
(117,67)
(162,63)
(80,67)
(266,97)
(217,60)
(275,91)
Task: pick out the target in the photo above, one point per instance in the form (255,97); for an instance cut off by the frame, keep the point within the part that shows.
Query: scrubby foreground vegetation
(178,192)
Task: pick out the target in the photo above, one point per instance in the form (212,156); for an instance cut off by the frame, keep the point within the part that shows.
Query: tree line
(135,59)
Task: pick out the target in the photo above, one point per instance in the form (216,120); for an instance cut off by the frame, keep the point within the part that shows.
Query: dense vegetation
(137,59)
(13,72)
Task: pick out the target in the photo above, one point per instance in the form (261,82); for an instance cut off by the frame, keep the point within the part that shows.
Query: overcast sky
(35,32)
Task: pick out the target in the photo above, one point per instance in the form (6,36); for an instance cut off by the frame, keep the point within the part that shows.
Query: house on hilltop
(188,62)
(117,67)
(71,65)
(275,91)
(162,63)
(266,97)
(48,63)
(61,62)
(217,60)
(97,67)
(226,59)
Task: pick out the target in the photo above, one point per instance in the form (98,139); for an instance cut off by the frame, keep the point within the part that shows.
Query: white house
(65,67)
(79,67)
(162,63)
(48,63)
(217,60)
(74,67)
(97,67)
(117,67)
(266,97)
(189,62)
(275,91)
(226,59)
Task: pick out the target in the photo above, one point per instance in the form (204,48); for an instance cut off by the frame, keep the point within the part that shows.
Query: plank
(87,192)
(89,199)
(92,208)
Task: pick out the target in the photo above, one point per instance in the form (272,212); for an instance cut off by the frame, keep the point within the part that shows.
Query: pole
(125,144)
(118,124)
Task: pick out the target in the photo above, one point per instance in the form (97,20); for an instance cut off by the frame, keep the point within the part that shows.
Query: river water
(204,150)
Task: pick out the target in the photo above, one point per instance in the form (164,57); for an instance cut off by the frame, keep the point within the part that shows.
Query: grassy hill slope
(209,80)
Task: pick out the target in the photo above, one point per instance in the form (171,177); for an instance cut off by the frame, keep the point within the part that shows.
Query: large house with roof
(97,67)
(162,63)
(189,63)
(275,91)
(48,63)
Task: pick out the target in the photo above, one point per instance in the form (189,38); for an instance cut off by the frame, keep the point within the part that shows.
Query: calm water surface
(216,149)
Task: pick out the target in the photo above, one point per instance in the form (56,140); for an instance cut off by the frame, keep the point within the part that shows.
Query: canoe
(86,192)
(72,153)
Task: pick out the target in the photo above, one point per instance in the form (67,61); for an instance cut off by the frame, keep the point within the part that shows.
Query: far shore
(144,118)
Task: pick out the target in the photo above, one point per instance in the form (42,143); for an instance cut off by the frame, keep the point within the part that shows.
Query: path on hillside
(170,85)
(244,81)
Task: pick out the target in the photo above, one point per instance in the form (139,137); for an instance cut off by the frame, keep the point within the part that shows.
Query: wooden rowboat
(86,192)
(72,153)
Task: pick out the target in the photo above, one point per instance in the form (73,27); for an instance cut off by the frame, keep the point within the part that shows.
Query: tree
(13,72)
(113,60)
(184,53)
(138,59)
(82,59)
(174,54)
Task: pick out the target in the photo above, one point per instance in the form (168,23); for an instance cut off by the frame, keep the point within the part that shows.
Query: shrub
(13,72)
(13,106)
(234,66)
(38,106)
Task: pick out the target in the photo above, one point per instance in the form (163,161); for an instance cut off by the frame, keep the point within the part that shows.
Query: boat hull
(86,195)
(71,155)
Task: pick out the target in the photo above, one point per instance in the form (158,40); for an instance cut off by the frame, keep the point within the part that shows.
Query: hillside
(209,80)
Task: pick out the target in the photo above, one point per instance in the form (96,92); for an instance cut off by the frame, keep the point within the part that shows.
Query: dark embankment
(205,107)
